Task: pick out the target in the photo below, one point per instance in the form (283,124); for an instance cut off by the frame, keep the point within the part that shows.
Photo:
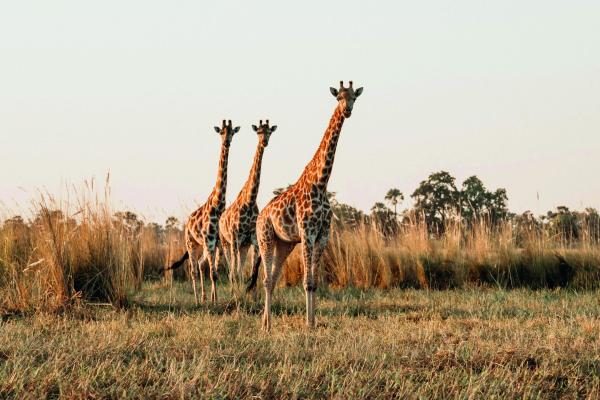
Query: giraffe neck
(319,168)
(250,190)
(218,193)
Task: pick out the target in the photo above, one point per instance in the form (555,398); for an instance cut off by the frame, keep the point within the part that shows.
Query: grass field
(466,343)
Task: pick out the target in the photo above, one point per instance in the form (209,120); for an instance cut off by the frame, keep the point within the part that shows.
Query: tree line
(437,202)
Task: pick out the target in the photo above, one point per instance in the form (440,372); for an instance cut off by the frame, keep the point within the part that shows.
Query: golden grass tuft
(480,254)
(71,251)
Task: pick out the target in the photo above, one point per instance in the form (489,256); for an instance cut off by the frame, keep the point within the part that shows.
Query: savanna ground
(472,342)
(478,310)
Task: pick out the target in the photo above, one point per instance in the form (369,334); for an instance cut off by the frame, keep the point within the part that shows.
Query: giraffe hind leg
(282,251)
(241,255)
(256,260)
(202,263)
(193,276)
(193,260)
(266,236)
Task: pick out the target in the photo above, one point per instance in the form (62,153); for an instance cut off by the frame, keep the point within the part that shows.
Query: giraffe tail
(179,262)
(252,281)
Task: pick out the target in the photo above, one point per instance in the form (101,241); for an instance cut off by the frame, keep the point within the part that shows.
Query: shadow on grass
(288,301)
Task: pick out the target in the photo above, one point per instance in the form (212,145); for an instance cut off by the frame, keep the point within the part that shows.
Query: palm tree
(394,196)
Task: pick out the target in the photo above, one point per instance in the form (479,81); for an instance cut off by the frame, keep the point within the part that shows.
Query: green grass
(478,343)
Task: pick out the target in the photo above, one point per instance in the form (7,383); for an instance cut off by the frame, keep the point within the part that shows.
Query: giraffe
(202,226)
(302,214)
(237,226)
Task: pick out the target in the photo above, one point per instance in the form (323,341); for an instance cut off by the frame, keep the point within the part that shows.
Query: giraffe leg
(232,260)
(195,252)
(223,254)
(220,253)
(232,264)
(242,252)
(311,293)
(213,276)
(282,251)
(254,275)
(223,251)
(193,276)
(266,236)
(319,249)
(201,262)
(307,256)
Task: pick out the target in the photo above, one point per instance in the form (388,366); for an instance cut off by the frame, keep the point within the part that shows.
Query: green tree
(384,219)
(129,220)
(496,204)
(156,229)
(473,198)
(524,226)
(476,202)
(591,224)
(436,200)
(347,216)
(563,223)
(15,222)
(394,196)
(171,223)
(278,191)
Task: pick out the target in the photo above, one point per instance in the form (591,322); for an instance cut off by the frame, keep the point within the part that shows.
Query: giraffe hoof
(266,324)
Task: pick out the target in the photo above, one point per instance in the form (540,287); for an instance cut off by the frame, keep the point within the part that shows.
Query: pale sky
(506,90)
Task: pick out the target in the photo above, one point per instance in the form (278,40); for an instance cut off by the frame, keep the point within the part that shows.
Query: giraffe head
(227,131)
(346,97)
(264,132)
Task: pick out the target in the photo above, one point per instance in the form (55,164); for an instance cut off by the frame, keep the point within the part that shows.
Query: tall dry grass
(72,250)
(77,250)
(480,254)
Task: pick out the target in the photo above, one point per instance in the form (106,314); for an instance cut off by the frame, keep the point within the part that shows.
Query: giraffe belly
(286,229)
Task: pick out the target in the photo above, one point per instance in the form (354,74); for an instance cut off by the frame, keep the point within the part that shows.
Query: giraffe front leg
(213,276)
(200,263)
(218,255)
(319,249)
(242,252)
(232,265)
(309,288)
(201,272)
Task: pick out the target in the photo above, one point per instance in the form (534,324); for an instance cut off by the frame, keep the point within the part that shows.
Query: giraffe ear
(236,129)
(273,128)
(254,128)
(358,92)
(217,129)
(333,91)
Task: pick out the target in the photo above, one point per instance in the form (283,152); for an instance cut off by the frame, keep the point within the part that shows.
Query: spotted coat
(302,214)
(202,226)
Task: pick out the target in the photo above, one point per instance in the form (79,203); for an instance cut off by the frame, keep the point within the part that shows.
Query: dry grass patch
(368,344)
